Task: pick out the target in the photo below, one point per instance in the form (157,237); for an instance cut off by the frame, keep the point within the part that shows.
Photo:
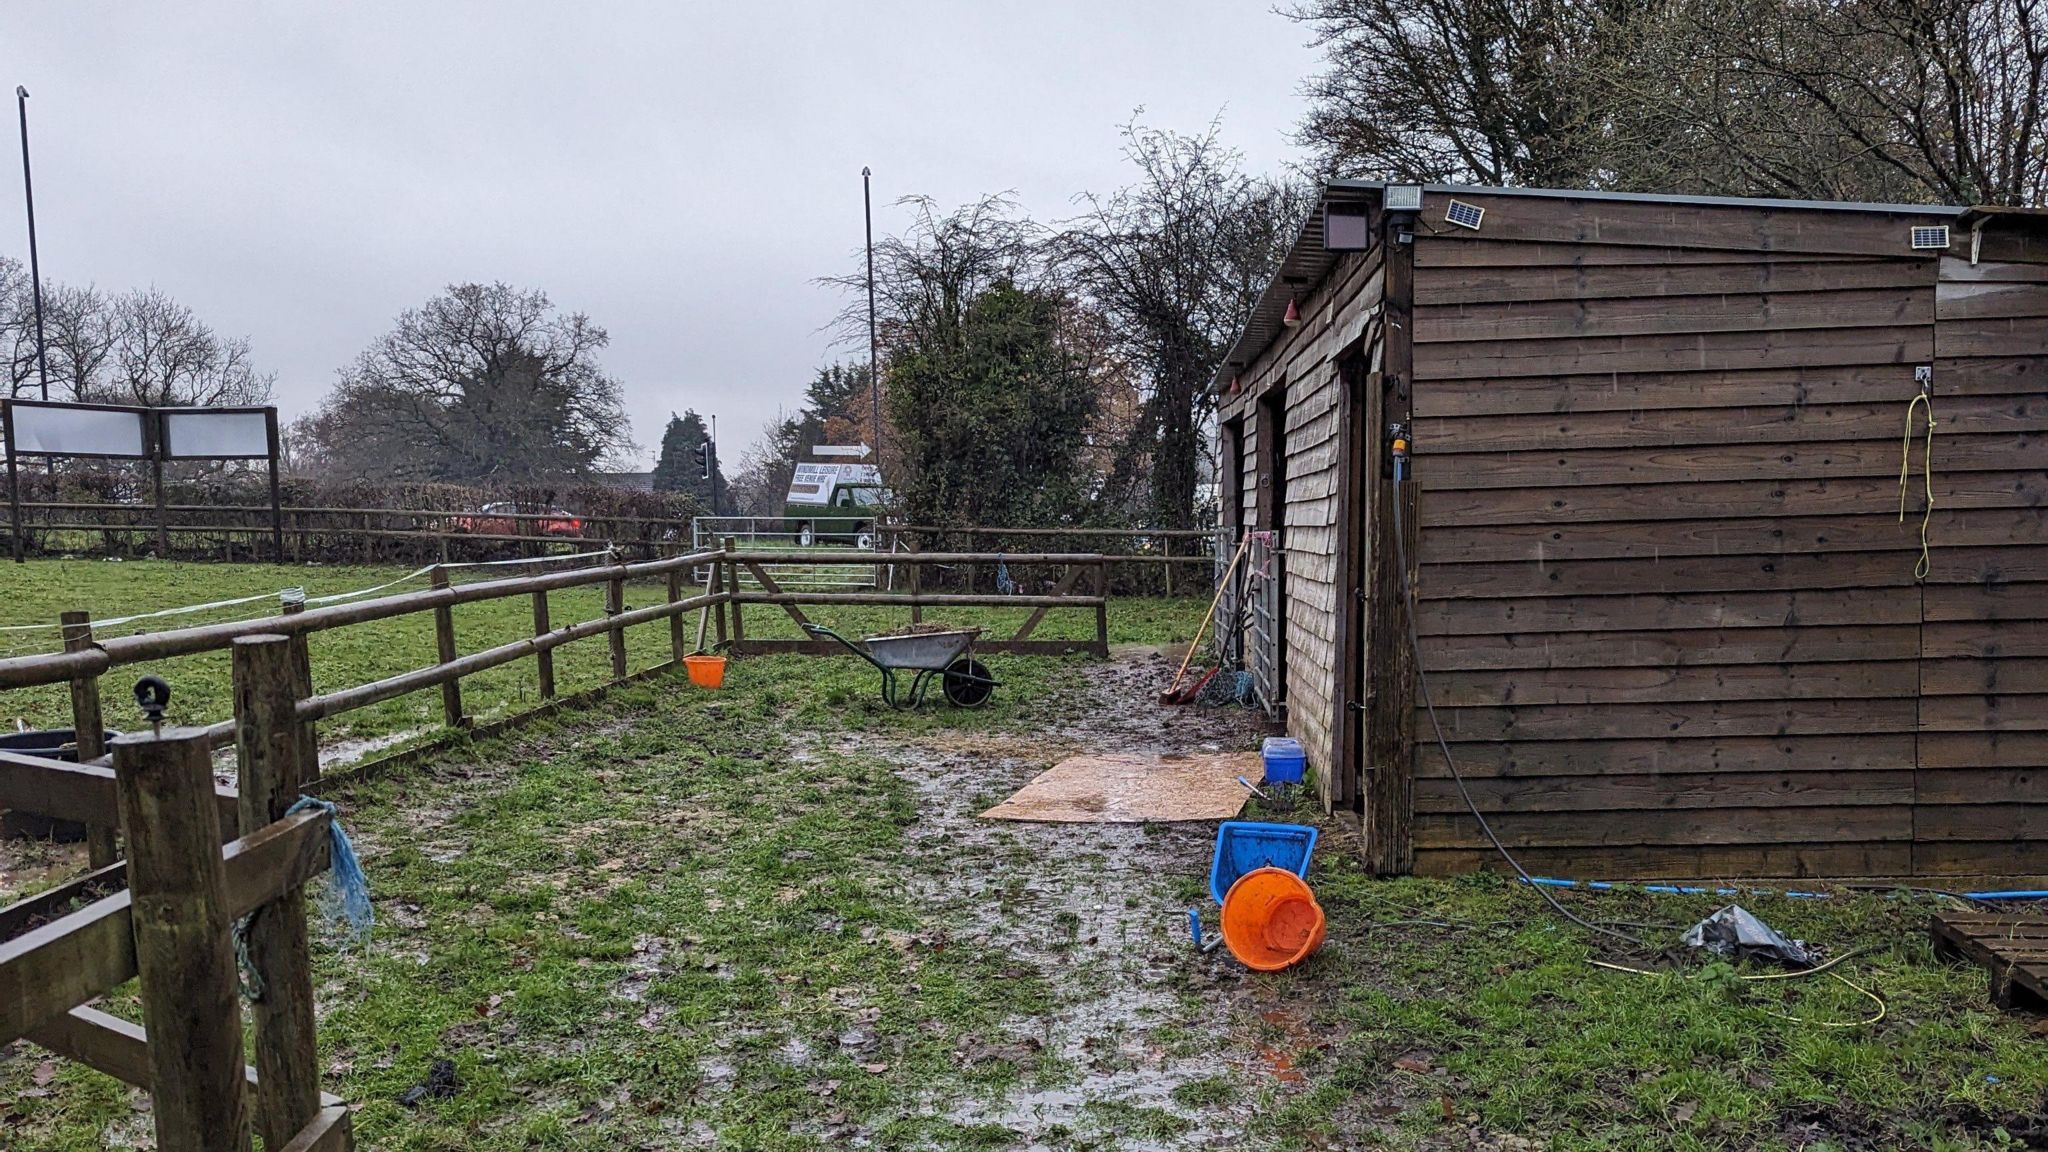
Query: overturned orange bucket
(1271,920)
(705,671)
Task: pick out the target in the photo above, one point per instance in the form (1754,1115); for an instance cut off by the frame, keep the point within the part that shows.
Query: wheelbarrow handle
(860,650)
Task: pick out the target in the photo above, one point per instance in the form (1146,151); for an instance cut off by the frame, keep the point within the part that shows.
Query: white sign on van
(813,482)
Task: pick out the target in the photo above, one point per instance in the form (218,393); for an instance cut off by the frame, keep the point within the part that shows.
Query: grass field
(769,918)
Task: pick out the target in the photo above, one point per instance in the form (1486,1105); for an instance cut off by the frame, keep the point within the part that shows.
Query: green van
(836,503)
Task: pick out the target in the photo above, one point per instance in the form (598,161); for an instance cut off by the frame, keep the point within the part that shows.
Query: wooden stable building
(1670,613)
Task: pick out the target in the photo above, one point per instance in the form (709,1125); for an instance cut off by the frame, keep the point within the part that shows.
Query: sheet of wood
(1133,788)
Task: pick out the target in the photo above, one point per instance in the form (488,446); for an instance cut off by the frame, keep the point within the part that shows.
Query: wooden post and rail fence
(368,535)
(201,857)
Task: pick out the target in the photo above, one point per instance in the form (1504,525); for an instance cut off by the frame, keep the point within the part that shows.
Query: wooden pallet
(2013,948)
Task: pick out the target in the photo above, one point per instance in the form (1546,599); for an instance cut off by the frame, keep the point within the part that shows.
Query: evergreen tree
(679,468)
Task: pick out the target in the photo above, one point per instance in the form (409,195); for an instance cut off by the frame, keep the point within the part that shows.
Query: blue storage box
(1245,845)
(1285,761)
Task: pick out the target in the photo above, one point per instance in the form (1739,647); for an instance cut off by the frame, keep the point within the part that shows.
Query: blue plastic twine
(1004,584)
(346,896)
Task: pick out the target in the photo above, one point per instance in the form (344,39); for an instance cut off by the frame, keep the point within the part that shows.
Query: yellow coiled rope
(1926,563)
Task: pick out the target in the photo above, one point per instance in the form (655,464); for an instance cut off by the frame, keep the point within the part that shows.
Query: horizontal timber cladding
(1303,364)
(1669,613)
(1981,800)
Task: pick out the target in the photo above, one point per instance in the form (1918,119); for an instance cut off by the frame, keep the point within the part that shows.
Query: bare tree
(18,328)
(1907,100)
(155,351)
(484,382)
(1472,91)
(1175,263)
(1938,98)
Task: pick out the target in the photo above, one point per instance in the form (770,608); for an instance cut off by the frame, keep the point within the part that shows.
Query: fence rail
(1143,559)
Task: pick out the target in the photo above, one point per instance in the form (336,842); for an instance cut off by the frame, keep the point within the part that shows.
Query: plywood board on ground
(1133,788)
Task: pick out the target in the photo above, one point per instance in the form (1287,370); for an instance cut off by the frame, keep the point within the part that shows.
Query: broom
(1168,696)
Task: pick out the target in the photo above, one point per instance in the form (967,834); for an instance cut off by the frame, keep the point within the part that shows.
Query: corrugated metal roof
(1307,263)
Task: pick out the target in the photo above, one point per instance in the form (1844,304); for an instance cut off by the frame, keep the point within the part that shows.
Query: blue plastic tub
(1285,761)
(1243,845)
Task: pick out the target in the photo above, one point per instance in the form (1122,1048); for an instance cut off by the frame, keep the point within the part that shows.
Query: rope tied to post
(1926,563)
(344,898)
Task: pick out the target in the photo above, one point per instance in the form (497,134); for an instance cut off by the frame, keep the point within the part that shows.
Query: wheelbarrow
(928,655)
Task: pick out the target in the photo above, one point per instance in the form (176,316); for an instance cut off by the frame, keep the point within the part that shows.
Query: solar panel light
(1464,215)
(1932,238)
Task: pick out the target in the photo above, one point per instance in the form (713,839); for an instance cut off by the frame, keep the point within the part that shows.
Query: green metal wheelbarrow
(926,655)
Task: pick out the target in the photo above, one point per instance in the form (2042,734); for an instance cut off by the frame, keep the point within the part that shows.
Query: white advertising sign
(216,435)
(65,430)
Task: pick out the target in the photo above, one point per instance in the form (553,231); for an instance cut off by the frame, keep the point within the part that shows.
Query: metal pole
(867,203)
(35,271)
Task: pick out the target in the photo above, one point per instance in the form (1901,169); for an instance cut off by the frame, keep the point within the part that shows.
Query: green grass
(684,919)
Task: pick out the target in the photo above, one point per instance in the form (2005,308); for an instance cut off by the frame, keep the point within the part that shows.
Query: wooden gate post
(732,576)
(302,688)
(676,648)
(444,646)
(715,585)
(183,953)
(614,604)
(543,660)
(1102,609)
(916,575)
(272,774)
(89,729)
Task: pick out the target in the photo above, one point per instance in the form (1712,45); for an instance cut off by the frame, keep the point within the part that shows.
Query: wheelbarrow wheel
(968,684)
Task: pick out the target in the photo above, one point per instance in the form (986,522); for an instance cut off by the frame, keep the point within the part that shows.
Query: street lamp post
(867,203)
(35,271)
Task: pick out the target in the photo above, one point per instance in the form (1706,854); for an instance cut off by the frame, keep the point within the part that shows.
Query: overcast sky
(300,173)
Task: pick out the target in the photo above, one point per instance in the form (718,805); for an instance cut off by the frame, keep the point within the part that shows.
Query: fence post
(717,584)
(302,687)
(544,660)
(676,650)
(444,645)
(271,775)
(916,581)
(1166,543)
(1102,609)
(732,577)
(615,603)
(88,729)
(182,949)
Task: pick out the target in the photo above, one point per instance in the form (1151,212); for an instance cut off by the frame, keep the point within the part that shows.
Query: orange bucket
(705,671)
(1271,920)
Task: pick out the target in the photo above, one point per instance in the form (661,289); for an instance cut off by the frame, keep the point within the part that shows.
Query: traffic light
(704,459)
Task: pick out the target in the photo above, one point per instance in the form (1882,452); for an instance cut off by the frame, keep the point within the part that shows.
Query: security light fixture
(1403,198)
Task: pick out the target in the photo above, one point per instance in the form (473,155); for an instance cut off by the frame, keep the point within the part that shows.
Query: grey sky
(299,173)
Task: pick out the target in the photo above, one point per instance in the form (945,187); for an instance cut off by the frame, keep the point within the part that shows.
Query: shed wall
(1304,363)
(1982,790)
(1668,612)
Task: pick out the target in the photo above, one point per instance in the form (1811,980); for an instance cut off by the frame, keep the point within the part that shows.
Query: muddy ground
(1098,908)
